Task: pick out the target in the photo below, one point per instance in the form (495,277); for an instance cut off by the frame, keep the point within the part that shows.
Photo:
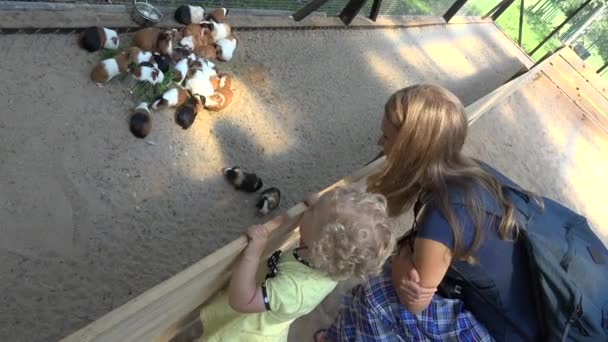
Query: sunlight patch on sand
(440,52)
(589,165)
(555,129)
(264,132)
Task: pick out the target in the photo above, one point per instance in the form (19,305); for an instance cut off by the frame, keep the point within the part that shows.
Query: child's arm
(244,294)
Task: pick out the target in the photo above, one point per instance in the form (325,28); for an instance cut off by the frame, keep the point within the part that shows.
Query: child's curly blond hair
(355,239)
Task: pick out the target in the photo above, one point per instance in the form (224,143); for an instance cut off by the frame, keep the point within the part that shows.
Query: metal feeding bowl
(145,14)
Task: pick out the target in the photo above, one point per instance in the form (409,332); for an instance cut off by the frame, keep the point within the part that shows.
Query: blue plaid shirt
(372,312)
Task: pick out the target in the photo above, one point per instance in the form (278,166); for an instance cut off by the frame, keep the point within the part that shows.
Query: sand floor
(91,216)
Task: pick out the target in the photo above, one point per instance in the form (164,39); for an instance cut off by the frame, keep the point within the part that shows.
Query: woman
(423,132)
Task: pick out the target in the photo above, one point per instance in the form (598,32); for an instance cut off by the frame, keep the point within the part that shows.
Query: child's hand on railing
(311,199)
(258,237)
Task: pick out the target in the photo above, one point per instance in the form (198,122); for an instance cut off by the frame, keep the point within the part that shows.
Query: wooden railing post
(456,6)
(373,15)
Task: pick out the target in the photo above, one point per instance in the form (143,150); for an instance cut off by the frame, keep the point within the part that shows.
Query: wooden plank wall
(581,84)
(156,314)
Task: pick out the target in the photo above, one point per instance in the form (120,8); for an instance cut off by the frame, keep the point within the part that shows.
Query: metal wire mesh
(331,8)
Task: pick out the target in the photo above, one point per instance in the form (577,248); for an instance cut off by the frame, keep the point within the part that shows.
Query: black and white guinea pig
(163,62)
(140,123)
(95,38)
(242,180)
(187,15)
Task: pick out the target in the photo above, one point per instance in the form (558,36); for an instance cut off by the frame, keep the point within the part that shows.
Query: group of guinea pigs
(189,52)
(198,85)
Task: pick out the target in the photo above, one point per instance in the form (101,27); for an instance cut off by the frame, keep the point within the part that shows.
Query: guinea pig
(241,180)
(140,123)
(219,100)
(181,70)
(186,113)
(218,30)
(180,52)
(225,81)
(204,65)
(195,35)
(139,56)
(148,74)
(111,67)
(199,83)
(225,48)
(171,98)
(163,62)
(95,38)
(155,40)
(222,98)
(218,15)
(206,51)
(268,200)
(187,15)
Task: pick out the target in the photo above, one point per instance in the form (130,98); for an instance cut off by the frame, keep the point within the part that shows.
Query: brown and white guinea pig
(148,74)
(155,40)
(187,112)
(171,98)
(220,100)
(206,51)
(140,122)
(195,35)
(187,15)
(139,56)
(218,30)
(218,15)
(220,81)
(111,67)
(95,38)
(225,80)
(225,48)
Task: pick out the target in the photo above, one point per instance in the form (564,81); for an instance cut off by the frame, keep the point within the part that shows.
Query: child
(344,234)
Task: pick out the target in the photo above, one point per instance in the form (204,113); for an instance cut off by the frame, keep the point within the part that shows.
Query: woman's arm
(244,294)
(416,276)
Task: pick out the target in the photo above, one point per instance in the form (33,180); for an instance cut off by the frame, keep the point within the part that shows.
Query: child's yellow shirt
(294,291)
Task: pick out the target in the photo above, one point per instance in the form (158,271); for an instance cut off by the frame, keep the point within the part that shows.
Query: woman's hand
(405,280)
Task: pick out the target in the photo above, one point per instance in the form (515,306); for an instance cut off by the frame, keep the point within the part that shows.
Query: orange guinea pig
(218,15)
(222,98)
(155,40)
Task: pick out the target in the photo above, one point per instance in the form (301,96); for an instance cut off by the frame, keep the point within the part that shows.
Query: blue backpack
(568,264)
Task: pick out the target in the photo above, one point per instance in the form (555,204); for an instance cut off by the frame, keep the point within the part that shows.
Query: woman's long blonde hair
(427,157)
